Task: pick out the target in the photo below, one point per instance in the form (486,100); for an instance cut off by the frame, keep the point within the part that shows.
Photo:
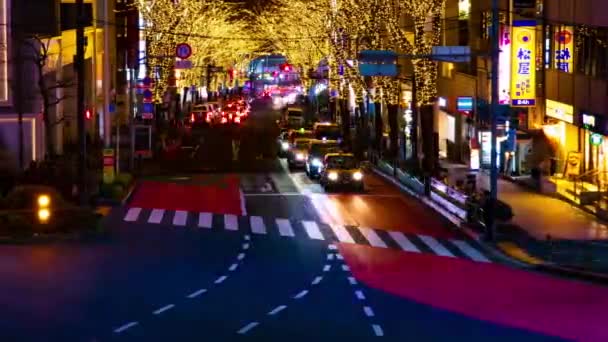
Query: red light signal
(87,114)
(286,67)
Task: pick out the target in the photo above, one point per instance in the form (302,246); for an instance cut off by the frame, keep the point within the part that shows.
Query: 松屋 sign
(563,49)
(523,64)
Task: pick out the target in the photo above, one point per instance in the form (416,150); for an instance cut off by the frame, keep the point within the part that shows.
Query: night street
(258,253)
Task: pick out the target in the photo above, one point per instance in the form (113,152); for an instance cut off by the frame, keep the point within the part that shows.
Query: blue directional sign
(378,63)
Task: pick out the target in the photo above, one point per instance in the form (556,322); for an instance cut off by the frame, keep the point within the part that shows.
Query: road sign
(378,63)
(454,54)
(183,51)
(183,64)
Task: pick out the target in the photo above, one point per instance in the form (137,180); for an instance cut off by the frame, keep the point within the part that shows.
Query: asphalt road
(254,252)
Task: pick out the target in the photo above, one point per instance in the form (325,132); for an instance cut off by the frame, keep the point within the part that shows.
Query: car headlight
(300,156)
(285,146)
(317,162)
(332,176)
(357,176)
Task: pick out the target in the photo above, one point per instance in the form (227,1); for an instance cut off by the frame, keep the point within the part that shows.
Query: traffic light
(44,208)
(285,67)
(87,114)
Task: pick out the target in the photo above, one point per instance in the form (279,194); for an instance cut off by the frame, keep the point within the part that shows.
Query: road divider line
(359,295)
(377,330)
(243,205)
(245,246)
(317,280)
(231,222)
(241,256)
(220,279)
(205,220)
(372,237)
(368,311)
(352,280)
(277,310)
(330,256)
(233,267)
(180,218)
(247,328)
(132,214)
(345,268)
(341,233)
(285,228)
(403,242)
(434,245)
(156,216)
(125,327)
(163,309)
(257,225)
(469,251)
(312,229)
(197,293)
(326,268)
(301,294)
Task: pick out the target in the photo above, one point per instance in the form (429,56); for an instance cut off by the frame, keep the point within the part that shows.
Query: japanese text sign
(563,48)
(523,64)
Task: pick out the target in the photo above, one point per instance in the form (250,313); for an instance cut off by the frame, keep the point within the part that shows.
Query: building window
(591,45)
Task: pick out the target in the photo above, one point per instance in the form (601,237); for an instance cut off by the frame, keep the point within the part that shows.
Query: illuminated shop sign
(563,49)
(464,104)
(560,111)
(504,66)
(588,121)
(523,64)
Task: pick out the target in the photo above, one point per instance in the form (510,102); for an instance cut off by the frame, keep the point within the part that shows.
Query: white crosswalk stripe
(284,227)
(156,216)
(132,214)
(341,233)
(435,246)
(180,218)
(469,251)
(403,242)
(372,237)
(205,220)
(231,222)
(257,225)
(408,242)
(312,229)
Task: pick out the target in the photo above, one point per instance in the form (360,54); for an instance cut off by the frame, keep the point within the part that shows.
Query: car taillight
(224,120)
(237,120)
(191,117)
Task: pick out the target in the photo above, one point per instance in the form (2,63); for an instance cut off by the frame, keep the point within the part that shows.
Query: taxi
(298,153)
(341,170)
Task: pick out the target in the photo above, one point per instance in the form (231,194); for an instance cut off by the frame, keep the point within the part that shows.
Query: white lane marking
(247,237)
(434,245)
(197,293)
(312,229)
(342,233)
(156,216)
(241,256)
(359,295)
(231,222)
(403,242)
(284,227)
(352,280)
(133,214)
(205,220)
(339,256)
(470,251)
(326,268)
(301,294)
(277,310)
(317,280)
(377,330)
(233,267)
(246,246)
(330,256)
(332,247)
(368,311)
(373,238)
(220,279)
(257,225)
(125,327)
(163,309)
(180,218)
(246,328)
(345,268)
(243,206)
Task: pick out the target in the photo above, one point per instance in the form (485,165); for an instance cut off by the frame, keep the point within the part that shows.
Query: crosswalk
(310,229)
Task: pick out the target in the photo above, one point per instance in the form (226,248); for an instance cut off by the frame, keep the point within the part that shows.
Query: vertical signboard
(108,165)
(563,48)
(504,66)
(523,64)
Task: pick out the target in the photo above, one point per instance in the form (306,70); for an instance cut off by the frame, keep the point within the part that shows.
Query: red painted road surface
(223,197)
(489,292)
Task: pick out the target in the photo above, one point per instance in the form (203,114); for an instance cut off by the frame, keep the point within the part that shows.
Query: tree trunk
(378,126)
(393,111)
(428,139)
(345,116)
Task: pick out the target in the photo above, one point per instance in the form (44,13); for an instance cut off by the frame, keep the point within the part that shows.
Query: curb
(513,255)
(106,202)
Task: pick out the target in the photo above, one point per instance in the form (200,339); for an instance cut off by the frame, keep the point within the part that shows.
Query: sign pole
(490,228)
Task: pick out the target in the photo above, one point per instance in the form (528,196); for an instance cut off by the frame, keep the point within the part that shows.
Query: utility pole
(82,141)
(490,229)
